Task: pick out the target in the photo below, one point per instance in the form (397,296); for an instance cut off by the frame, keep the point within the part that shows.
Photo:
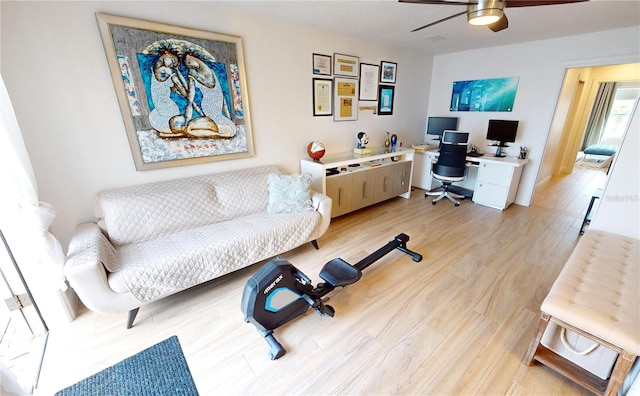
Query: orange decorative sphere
(315,150)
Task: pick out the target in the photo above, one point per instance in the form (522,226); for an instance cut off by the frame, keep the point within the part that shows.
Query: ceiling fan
(488,13)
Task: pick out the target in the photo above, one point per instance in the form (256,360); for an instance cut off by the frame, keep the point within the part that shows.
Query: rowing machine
(279,292)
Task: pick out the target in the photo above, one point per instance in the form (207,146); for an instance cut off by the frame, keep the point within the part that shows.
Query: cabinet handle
(363,188)
(339,195)
(402,183)
(384,185)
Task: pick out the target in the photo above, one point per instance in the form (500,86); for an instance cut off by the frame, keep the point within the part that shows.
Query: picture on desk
(495,94)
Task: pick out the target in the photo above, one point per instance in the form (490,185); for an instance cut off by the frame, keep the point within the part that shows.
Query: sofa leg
(131,317)
(315,244)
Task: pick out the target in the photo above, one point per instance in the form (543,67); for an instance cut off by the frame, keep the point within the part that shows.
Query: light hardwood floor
(457,323)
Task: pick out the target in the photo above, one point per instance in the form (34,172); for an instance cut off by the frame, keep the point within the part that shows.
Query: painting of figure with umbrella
(182,92)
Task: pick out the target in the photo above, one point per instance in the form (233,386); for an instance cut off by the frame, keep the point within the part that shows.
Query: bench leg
(315,244)
(533,346)
(131,317)
(619,373)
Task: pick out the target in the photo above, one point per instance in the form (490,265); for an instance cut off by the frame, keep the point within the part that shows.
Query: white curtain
(599,114)
(25,220)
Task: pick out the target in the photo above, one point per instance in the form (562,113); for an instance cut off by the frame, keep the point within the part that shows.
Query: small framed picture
(345,99)
(385,101)
(322,94)
(322,64)
(388,71)
(368,81)
(346,65)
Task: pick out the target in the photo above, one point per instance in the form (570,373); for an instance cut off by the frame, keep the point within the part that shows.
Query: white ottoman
(596,295)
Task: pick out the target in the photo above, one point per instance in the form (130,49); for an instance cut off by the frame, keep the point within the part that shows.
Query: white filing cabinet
(496,185)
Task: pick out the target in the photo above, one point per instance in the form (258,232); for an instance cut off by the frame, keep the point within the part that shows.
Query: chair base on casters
(445,193)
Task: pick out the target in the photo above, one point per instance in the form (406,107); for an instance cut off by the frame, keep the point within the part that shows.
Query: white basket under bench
(597,296)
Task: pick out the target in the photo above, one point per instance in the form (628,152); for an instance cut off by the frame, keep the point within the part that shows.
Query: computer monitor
(455,137)
(437,125)
(502,131)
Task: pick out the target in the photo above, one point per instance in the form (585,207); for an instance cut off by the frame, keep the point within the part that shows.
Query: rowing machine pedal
(338,272)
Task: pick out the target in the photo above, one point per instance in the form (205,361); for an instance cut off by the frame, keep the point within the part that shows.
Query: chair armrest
(321,204)
(90,254)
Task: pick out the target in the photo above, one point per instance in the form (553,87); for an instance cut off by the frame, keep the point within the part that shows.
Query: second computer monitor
(502,131)
(437,125)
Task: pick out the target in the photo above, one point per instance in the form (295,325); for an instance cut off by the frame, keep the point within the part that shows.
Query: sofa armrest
(321,204)
(90,254)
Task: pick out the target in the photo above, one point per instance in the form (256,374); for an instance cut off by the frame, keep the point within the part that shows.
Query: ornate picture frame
(182,92)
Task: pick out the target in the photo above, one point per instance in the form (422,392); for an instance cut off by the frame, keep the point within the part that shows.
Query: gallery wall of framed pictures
(341,82)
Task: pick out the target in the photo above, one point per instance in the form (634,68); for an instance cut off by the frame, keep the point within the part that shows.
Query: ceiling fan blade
(500,24)
(440,2)
(534,3)
(441,20)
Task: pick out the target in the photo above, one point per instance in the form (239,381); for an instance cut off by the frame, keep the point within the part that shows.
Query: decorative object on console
(394,140)
(524,150)
(316,150)
(495,94)
(387,141)
(182,92)
(361,145)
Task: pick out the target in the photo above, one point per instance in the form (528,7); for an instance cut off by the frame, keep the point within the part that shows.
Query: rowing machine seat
(338,272)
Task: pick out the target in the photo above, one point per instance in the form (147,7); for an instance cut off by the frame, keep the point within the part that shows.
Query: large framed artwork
(494,94)
(182,92)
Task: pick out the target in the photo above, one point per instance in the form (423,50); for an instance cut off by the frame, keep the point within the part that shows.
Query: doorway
(566,135)
(23,332)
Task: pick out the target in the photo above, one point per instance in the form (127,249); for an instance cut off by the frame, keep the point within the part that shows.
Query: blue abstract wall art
(495,94)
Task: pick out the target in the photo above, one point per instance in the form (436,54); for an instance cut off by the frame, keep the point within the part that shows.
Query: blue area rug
(159,370)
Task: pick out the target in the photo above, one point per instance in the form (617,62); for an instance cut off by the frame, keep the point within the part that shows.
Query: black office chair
(451,165)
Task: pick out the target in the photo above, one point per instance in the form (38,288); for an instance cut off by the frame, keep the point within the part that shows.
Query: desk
(494,181)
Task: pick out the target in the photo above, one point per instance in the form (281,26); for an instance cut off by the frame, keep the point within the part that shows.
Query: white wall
(619,209)
(540,66)
(55,69)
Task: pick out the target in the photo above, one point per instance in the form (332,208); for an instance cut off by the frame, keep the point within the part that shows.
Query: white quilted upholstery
(176,261)
(140,213)
(598,290)
(157,239)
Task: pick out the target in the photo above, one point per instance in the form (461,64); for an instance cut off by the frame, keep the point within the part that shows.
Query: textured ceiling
(391,22)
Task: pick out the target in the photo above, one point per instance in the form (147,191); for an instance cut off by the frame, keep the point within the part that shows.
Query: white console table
(494,180)
(361,179)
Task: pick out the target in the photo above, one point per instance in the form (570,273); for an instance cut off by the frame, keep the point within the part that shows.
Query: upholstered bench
(596,295)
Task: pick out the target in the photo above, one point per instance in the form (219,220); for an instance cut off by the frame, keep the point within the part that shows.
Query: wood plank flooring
(457,323)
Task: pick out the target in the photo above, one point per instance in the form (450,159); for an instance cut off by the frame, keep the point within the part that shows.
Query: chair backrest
(451,161)
(455,137)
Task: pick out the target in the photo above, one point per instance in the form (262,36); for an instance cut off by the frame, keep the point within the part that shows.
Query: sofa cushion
(143,212)
(162,266)
(289,193)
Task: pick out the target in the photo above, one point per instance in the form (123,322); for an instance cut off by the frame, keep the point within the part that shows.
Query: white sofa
(153,240)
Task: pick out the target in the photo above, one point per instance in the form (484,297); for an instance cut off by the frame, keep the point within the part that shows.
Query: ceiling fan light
(485,12)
